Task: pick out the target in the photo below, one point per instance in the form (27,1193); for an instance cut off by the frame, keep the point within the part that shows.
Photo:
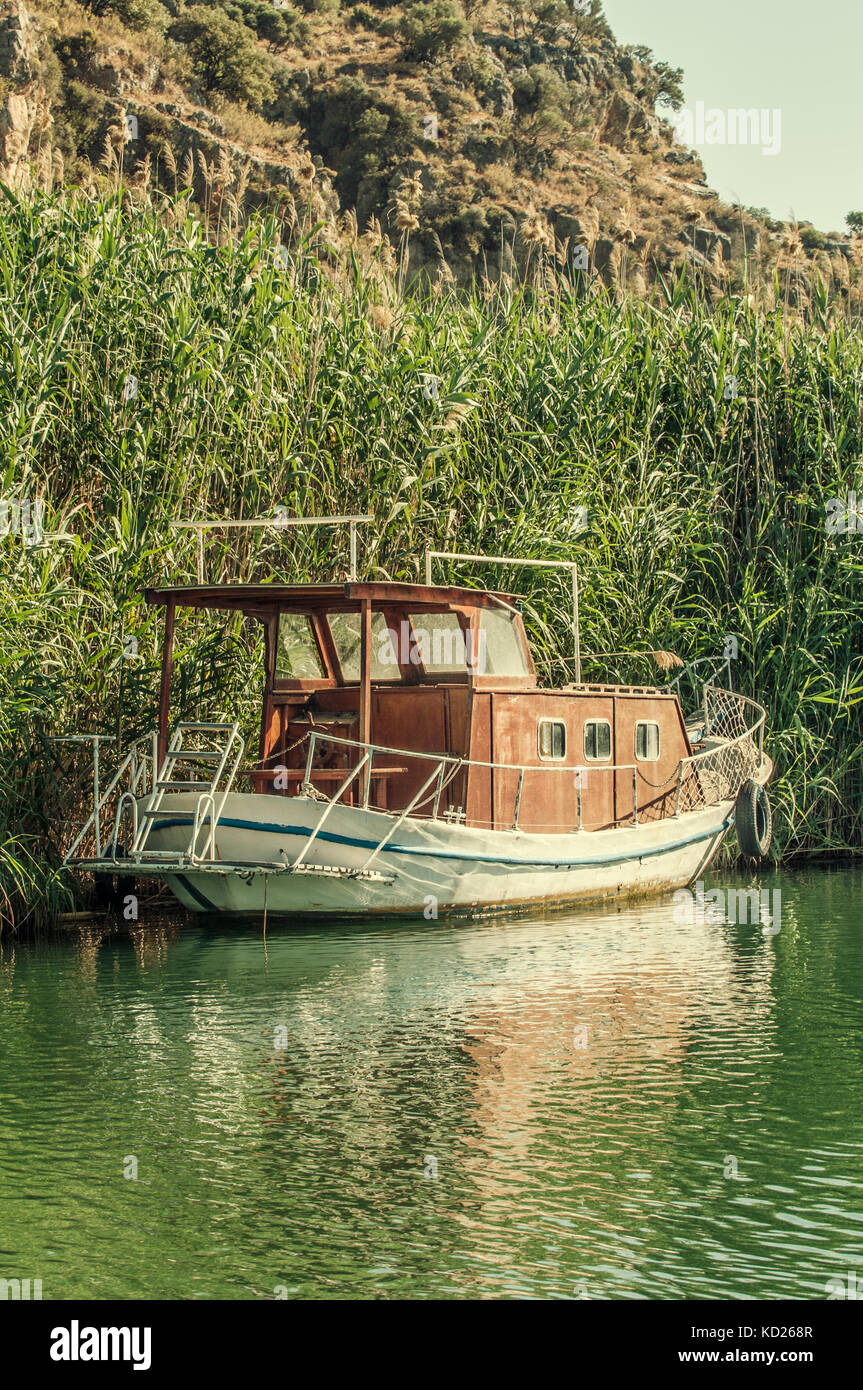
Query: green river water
(608,1104)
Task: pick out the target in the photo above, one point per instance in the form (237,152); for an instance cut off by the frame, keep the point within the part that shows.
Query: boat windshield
(297,655)
(444,649)
(346,631)
(440,643)
(500,649)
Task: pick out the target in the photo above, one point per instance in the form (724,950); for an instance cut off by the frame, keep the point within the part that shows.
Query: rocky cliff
(481,138)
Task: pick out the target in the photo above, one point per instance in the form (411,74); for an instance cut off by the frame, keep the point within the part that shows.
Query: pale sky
(802,58)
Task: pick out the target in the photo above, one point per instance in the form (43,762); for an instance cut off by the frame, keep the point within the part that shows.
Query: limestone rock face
(625,120)
(18,43)
(25,109)
(553,130)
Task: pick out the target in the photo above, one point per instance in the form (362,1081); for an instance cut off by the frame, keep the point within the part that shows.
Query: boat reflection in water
(610,1103)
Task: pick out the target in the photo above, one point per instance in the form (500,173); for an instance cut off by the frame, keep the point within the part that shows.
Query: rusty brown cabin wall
(490,720)
(505,730)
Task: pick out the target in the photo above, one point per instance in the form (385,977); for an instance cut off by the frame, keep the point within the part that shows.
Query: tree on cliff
(225,56)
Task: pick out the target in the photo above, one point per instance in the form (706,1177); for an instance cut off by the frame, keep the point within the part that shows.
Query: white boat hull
(427,867)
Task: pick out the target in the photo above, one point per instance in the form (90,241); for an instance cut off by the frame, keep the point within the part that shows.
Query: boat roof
(272,596)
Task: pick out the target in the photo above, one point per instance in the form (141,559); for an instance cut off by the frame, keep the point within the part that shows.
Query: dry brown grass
(258,135)
(70,19)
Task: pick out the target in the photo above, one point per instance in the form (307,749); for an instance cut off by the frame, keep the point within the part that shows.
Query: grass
(260,386)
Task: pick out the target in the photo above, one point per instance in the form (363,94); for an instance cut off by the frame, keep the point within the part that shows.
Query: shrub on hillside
(539,93)
(429,29)
(361,17)
(138,14)
(363,136)
(663,84)
(812,239)
(224,55)
(546,18)
(277,27)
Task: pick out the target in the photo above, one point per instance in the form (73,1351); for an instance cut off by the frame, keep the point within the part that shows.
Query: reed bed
(707,443)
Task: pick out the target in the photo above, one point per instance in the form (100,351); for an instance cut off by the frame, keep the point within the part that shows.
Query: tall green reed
(706,443)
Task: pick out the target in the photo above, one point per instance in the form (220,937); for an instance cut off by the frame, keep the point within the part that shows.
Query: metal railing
(733,723)
(133,763)
(226,756)
(146,778)
(733,752)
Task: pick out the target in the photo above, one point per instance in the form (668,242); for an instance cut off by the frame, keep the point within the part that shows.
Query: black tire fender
(753,820)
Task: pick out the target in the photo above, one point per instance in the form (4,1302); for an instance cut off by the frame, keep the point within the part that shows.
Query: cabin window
(551,738)
(346,629)
(297,655)
(647,742)
(597,740)
(500,651)
(439,643)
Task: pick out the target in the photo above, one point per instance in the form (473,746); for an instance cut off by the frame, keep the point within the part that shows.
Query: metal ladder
(227,739)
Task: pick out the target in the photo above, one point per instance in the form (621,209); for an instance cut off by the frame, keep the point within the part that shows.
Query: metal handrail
(198,823)
(397,823)
(127,798)
(216,815)
(174,754)
(441,760)
(130,759)
(330,804)
(757,728)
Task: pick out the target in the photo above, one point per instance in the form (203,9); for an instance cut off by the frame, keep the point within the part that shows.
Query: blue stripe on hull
(195,893)
(266,827)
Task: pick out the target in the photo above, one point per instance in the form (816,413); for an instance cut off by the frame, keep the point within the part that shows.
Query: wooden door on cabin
(597,754)
(430,719)
(649,737)
(480,789)
(545,733)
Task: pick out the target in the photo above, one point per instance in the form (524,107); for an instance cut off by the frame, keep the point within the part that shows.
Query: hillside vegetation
(521,124)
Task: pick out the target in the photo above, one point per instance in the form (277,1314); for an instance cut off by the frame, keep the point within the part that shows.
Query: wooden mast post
(165,683)
(365,688)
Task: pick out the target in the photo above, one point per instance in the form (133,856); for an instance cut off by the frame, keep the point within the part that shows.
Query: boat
(411,762)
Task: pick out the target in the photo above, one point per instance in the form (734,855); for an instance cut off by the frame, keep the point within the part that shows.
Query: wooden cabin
(440,670)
